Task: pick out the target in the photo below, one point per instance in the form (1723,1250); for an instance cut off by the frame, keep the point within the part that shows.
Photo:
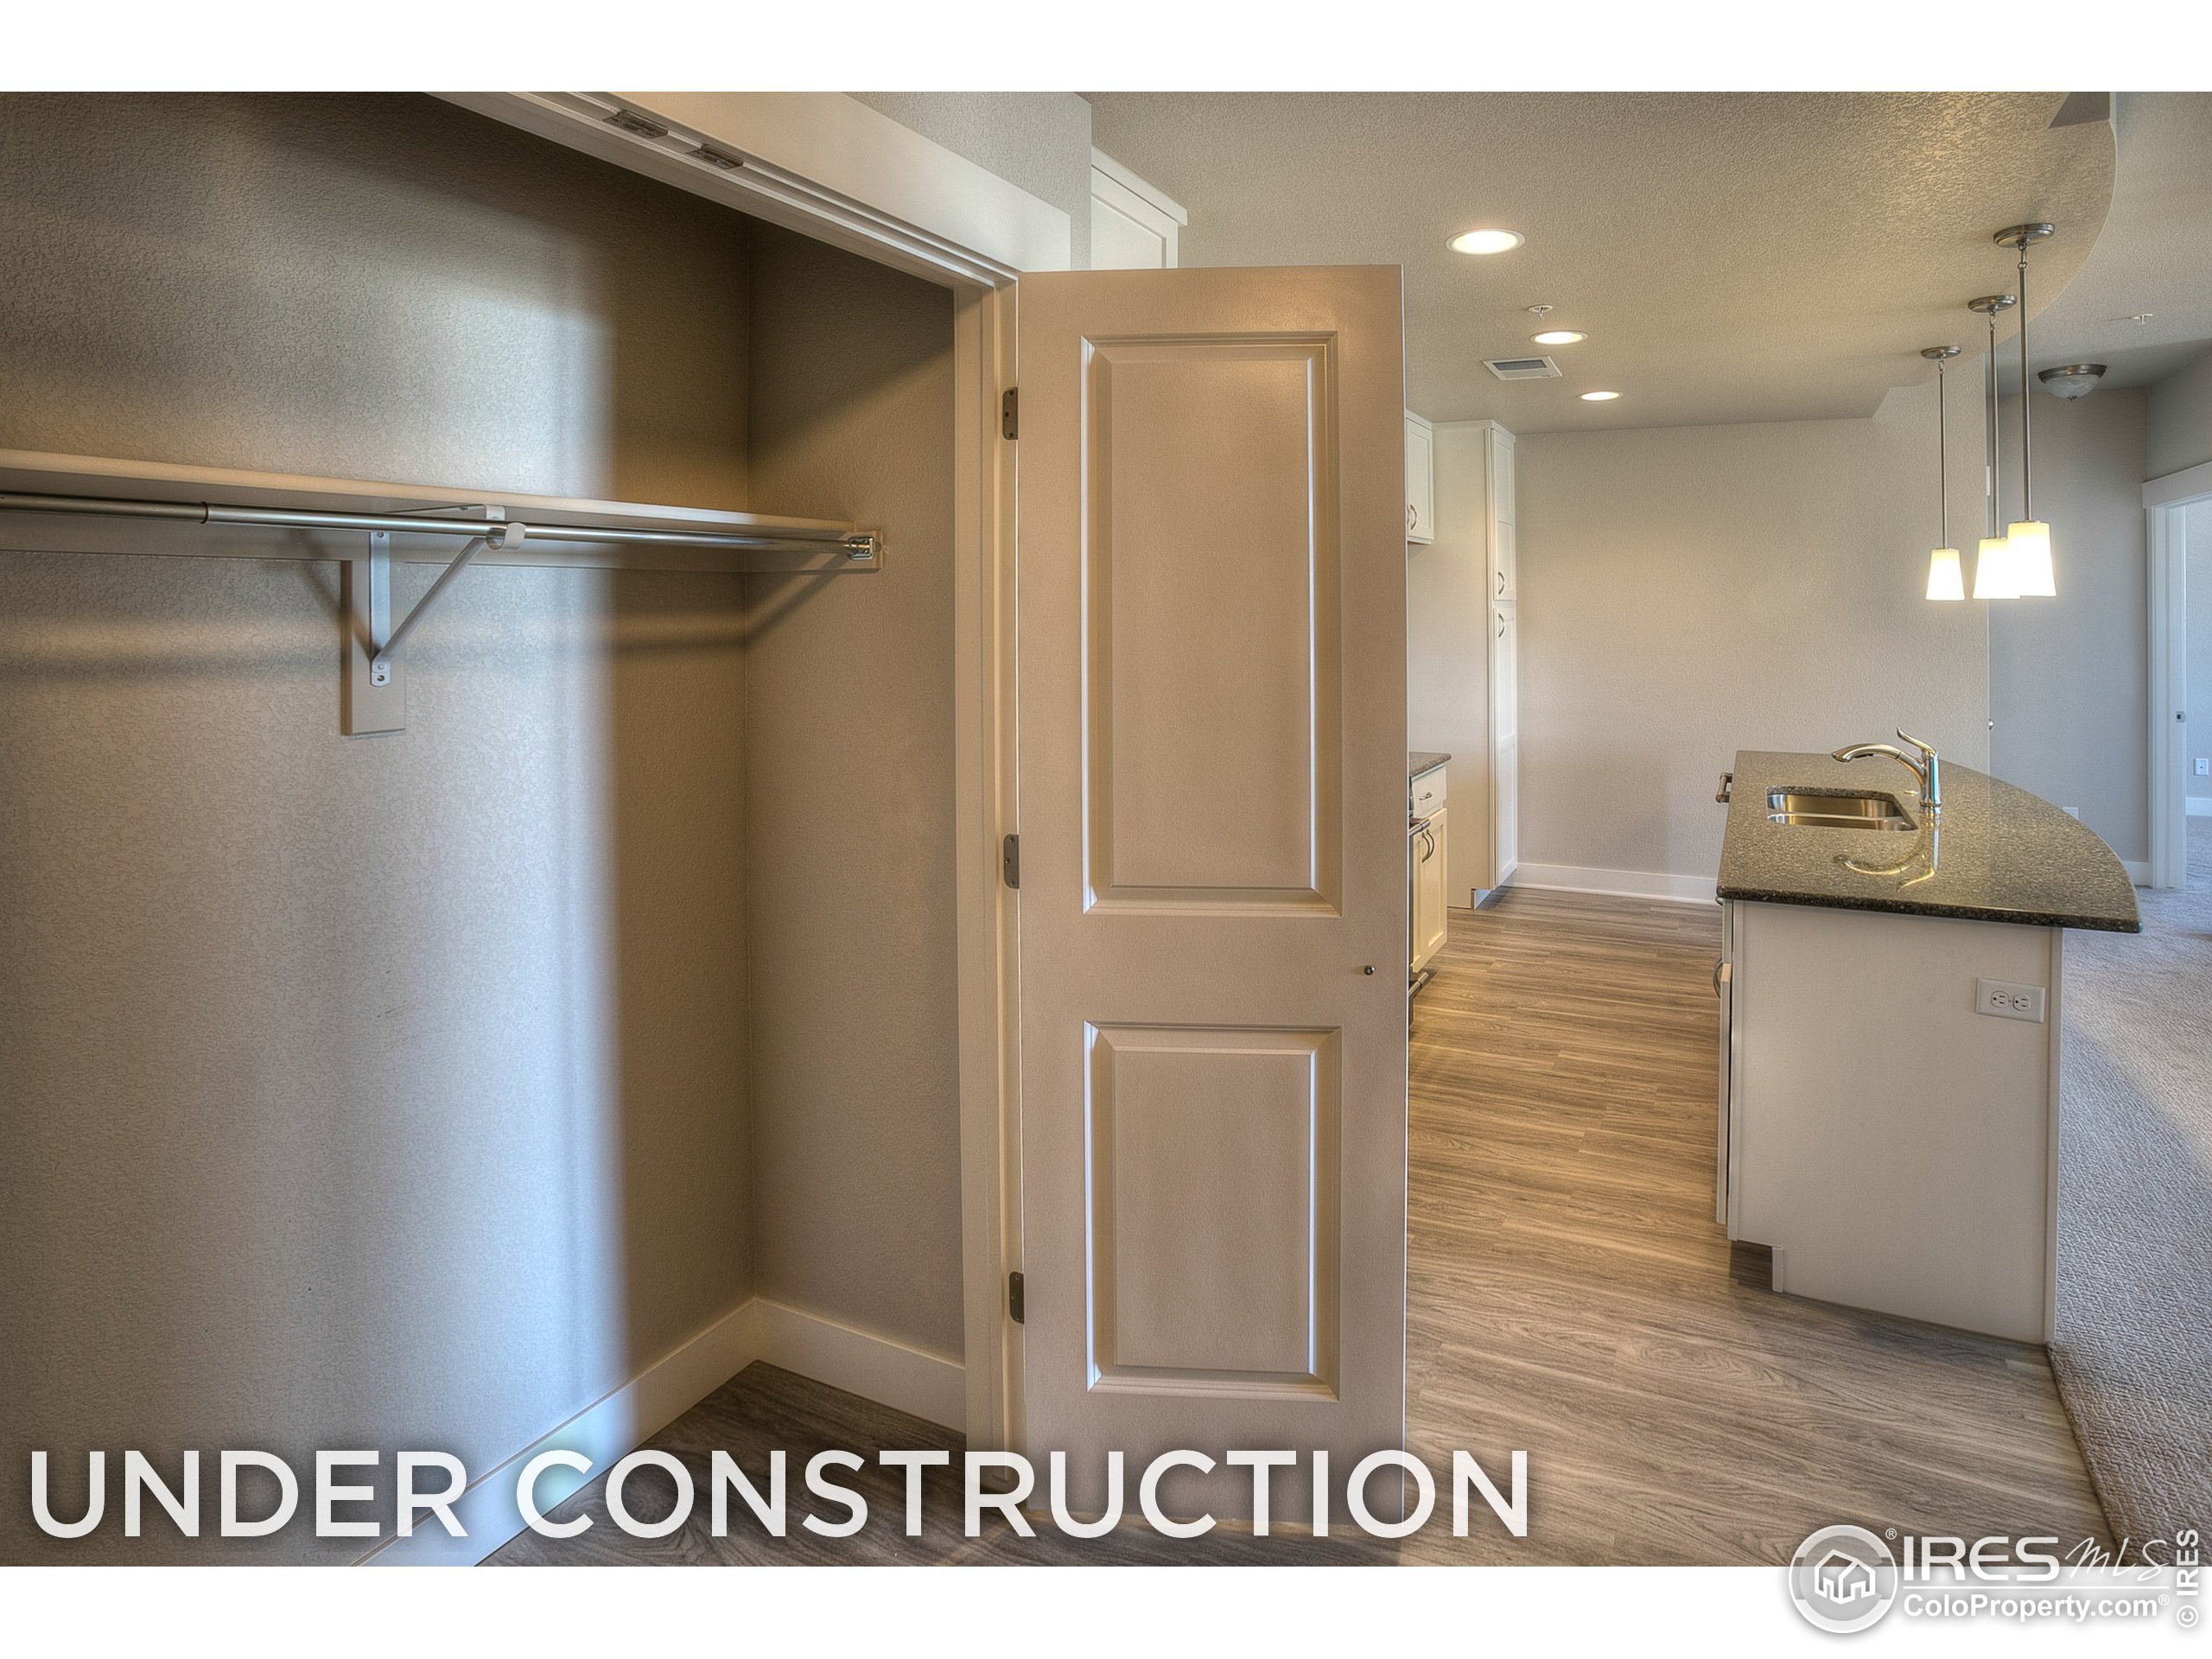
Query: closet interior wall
(416,1091)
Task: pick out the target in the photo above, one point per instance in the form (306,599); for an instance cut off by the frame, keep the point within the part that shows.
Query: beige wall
(1687,592)
(2180,420)
(1447,658)
(2069,676)
(1038,141)
(849,796)
(394,1091)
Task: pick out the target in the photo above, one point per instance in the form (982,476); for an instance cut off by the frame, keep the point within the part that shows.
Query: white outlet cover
(2007,1001)
(2203,767)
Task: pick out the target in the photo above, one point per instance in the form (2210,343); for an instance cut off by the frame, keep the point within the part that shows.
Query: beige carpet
(2134,1351)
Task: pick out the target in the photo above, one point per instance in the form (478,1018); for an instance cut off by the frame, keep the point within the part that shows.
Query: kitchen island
(1890,983)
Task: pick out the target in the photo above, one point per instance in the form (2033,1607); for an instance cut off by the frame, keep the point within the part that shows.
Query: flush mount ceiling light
(1944,580)
(1487,241)
(2028,536)
(1600,396)
(1992,561)
(2075,380)
(1554,336)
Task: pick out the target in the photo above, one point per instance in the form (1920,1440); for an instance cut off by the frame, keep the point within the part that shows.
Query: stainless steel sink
(1836,811)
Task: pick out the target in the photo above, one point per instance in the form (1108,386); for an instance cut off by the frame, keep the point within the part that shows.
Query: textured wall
(391,1090)
(1687,592)
(2180,421)
(1447,653)
(2070,676)
(1039,141)
(850,793)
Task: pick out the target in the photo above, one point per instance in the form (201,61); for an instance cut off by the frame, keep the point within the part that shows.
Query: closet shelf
(97,505)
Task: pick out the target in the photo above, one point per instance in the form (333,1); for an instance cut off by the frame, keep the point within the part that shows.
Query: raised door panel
(1211,802)
(1211,782)
(1213,1207)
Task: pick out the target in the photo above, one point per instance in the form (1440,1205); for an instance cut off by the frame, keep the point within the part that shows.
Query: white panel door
(1213,926)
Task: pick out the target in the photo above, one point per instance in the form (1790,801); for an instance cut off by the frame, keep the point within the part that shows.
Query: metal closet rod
(861,546)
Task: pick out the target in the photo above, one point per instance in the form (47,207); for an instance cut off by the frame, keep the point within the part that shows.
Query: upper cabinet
(1133,225)
(1504,548)
(1421,479)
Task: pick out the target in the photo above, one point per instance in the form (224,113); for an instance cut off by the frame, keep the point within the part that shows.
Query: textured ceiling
(1734,256)
(2155,254)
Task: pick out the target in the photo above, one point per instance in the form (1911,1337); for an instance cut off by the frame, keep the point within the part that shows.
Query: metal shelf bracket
(375,699)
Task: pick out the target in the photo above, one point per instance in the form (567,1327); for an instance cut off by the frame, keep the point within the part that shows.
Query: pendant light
(1944,579)
(2028,536)
(1992,561)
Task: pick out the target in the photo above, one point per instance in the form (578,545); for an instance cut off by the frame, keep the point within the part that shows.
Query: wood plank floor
(1569,1295)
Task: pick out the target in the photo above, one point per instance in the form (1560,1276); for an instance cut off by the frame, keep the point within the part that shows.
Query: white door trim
(827,166)
(2166,551)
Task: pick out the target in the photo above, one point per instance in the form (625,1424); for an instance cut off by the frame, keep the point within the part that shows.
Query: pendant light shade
(1945,579)
(1994,576)
(2028,542)
(1993,569)
(2027,536)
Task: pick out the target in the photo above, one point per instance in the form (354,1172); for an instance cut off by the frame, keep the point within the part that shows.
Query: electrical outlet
(2203,767)
(2007,1001)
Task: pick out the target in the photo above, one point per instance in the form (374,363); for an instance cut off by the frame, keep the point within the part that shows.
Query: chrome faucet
(1927,767)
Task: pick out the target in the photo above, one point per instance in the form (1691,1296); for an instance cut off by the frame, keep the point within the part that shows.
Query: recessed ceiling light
(1487,241)
(1600,396)
(1559,337)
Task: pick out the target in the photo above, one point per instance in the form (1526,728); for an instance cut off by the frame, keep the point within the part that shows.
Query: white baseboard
(890,1373)
(2138,871)
(2200,806)
(1623,884)
(874,1367)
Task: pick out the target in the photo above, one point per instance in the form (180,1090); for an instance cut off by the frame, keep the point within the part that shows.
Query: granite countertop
(1421,760)
(1996,854)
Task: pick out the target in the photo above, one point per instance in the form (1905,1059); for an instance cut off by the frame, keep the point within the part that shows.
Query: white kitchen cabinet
(1503,534)
(1919,1185)
(1724,990)
(1426,858)
(1504,742)
(1429,905)
(1421,479)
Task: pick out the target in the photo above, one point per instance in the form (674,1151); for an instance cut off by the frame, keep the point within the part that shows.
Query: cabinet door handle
(1413,516)
(1431,852)
(1501,584)
(1501,628)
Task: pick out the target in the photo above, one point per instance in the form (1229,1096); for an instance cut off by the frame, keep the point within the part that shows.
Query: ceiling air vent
(1522,368)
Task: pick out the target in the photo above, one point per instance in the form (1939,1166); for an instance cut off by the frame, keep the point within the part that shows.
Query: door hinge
(1016,1302)
(1010,412)
(1010,859)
